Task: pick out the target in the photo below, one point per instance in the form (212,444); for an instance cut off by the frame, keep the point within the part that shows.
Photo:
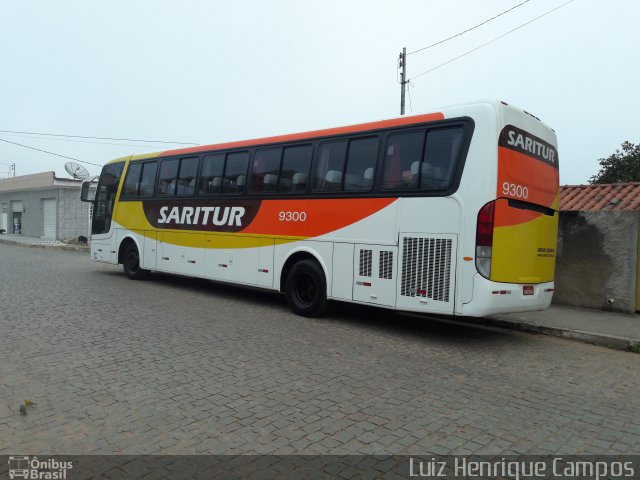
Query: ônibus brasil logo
(36,469)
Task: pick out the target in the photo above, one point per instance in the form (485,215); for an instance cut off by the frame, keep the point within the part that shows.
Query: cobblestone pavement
(175,365)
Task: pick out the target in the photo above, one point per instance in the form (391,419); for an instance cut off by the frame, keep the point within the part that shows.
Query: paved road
(175,365)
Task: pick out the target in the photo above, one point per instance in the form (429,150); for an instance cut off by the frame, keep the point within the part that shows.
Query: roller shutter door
(50,217)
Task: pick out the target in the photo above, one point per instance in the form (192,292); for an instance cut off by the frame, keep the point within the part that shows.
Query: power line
(490,41)
(98,138)
(84,141)
(469,29)
(50,153)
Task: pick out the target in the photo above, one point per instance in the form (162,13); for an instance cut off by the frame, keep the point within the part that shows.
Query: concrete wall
(597,259)
(73,215)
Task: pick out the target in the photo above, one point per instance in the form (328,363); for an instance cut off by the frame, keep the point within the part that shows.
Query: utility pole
(403,77)
(12,169)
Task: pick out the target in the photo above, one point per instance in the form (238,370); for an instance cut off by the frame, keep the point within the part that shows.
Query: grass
(634,348)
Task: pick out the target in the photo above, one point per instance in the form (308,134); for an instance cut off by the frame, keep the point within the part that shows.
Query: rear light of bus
(484,239)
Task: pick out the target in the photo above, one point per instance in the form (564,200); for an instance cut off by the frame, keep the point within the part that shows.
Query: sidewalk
(611,329)
(40,242)
(616,330)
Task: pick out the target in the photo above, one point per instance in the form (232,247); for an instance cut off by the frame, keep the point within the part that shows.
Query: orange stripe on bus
(362,127)
(283,217)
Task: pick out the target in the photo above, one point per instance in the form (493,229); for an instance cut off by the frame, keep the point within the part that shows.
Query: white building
(43,205)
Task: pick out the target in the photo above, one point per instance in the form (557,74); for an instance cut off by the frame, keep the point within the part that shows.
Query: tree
(622,166)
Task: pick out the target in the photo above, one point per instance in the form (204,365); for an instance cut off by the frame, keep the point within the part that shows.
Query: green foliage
(622,166)
(634,348)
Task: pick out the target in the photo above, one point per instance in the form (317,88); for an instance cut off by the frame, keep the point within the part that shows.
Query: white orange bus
(453,212)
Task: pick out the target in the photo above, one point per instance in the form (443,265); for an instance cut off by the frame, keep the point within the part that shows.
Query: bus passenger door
(374,274)
(427,266)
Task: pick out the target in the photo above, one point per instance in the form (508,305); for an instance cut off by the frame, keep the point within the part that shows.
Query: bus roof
(361,127)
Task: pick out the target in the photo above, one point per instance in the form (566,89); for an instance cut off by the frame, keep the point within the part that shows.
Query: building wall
(72,214)
(597,259)
(32,209)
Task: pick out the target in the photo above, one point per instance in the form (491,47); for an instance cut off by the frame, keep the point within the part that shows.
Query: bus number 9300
(292,216)
(514,190)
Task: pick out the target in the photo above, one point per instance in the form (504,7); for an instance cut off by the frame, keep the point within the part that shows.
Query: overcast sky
(213,71)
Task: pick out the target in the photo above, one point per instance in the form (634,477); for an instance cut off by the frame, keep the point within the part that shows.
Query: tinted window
(211,174)
(440,156)
(133,179)
(329,167)
(265,170)
(148,179)
(235,172)
(168,176)
(294,173)
(361,162)
(402,160)
(106,197)
(187,176)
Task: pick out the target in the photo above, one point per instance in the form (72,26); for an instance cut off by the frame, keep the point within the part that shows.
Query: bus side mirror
(85,194)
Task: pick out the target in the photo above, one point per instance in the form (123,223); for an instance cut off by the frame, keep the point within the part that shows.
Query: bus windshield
(106,197)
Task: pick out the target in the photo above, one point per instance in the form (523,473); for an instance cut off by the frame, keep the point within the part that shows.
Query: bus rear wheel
(131,264)
(306,289)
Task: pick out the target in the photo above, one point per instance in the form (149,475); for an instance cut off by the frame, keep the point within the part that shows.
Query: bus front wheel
(131,264)
(306,289)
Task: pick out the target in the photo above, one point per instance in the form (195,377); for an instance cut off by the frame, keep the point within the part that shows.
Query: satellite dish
(77,171)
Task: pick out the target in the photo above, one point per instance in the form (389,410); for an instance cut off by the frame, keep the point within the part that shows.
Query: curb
(72,248)
(611,341)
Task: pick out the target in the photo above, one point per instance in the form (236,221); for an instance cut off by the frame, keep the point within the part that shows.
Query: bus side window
(211,174)
(187,176)
(361,161)
(440,155)
(132,180)
(168,176)
(264,172)
(402,160)
(295,169)
(148,178)
(235,172)
(329,166)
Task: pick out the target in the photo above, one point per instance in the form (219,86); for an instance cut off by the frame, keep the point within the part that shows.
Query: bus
(454,212)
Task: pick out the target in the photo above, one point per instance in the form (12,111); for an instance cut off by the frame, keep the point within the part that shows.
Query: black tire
(131,264)
(306,289)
